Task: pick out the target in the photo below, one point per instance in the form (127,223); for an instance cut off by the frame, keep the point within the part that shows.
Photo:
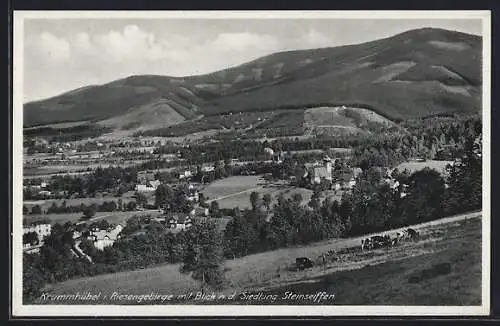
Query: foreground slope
(417,73)
(383,276)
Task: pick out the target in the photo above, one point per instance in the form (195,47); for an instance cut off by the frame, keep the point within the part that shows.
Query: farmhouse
(179,222)
(42,230)
(148,187)
(185,174)
(105,238)
(207,168)
(318,171)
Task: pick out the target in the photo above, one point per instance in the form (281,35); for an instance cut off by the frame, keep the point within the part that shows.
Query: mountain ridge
(415,73)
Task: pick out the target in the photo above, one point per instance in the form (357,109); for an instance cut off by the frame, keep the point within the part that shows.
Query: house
(42,230)
(154,183)
(193,194)
(394,184)
(179,222)
(105,238)
(207,168)
(148,187)
(356,172)
(279,157)
(351,183)
(185,174)
(320,171)
(144,177)
(269,152)
(161,220)
(76,234)
(45,193)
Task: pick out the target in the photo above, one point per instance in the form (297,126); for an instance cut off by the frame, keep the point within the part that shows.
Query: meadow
(413,166)
(381,276)
(112,217)
(45,204)
(235,191)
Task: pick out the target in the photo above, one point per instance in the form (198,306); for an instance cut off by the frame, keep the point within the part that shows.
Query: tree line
(372,206)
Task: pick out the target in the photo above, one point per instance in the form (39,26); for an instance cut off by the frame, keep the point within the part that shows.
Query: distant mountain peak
(415,73)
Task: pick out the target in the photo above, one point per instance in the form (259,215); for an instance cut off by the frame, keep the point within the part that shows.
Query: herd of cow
(380,241)
(373,242)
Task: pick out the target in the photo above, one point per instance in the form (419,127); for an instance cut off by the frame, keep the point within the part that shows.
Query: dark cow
(396,239)
(378,241)
(303,263)
(412,234)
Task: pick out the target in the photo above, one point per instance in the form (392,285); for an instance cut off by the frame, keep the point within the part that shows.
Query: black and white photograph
(263,163)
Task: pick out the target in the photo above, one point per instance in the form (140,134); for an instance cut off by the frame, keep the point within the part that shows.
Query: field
(111,217)
(235,191)
(44,204)
(440,166)
(399,275)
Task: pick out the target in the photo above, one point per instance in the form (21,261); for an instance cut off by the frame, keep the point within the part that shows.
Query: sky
(65,54)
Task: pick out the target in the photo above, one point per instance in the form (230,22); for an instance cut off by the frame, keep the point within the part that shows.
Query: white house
(105,238)
(269,151)
(180,222)
(207,168)
(319,172)
(148,187)
(185,174)
(42,230)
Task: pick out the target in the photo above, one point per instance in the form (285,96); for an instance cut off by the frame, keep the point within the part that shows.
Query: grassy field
(409,281)
(113,217)
(440,166)
(231,185)
(44,204)
(235,191)
(382,276)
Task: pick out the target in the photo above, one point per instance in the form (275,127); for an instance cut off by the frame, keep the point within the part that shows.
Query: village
(331,177)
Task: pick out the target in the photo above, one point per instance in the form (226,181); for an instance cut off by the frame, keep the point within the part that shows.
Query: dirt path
(233,194)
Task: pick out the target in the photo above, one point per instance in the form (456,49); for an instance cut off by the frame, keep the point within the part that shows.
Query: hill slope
(413,74)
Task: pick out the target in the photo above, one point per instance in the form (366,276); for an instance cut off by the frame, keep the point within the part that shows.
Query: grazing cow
(377,241)
(396,239)
(366,244)
(412,234)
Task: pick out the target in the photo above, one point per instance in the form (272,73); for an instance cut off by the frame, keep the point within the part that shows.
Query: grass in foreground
(449,276)
(390,280)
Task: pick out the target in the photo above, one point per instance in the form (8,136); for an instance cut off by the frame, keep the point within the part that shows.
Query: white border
(20,310)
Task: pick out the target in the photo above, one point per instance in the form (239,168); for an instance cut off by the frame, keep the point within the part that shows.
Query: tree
(425,196)
(240,237)
(214,209)
(254,200)
(163,196)
(36,210)
(315,201)
(267,201)
(88,212)
(464,181)
(141,199)
(203,256)
(33,278)
(30,238)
